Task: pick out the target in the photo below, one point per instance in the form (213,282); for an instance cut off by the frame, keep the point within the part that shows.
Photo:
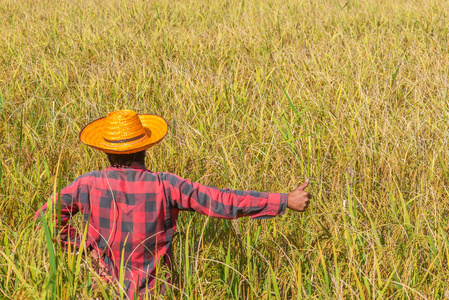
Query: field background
(258,95)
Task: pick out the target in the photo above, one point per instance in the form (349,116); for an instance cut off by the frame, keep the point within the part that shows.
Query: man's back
(128,217)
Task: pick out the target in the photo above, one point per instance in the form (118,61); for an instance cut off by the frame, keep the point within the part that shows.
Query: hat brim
(93,135)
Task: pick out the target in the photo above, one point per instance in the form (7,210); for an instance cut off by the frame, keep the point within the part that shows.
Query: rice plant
(259,95)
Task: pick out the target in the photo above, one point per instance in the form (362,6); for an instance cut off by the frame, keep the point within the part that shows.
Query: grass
(259,95)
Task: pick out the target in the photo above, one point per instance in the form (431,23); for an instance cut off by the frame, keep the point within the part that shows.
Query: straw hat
(124,132)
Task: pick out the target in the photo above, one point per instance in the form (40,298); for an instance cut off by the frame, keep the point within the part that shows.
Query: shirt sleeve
(69,207)
(221,203)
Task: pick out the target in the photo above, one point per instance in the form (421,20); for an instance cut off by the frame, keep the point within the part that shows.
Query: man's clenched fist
(299,199)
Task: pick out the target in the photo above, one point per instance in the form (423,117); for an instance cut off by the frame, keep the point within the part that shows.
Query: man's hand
(100,269)
(299,199)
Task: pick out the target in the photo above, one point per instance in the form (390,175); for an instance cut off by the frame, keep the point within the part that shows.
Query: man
(132,212)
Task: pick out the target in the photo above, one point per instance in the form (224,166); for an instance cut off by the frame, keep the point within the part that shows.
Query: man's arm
(225,203)
(69,207)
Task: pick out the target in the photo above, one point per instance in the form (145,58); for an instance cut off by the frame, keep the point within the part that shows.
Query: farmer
(132,212)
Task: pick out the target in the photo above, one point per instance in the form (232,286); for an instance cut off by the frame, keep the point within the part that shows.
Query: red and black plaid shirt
(133,211)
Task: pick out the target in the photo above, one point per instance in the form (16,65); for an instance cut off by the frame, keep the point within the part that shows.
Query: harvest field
(258,95)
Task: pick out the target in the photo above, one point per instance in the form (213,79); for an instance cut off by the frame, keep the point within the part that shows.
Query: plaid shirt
(133,212)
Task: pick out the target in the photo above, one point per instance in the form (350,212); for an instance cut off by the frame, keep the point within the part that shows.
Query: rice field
(259,95)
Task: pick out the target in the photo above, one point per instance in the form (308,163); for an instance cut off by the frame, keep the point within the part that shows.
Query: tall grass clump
(259,95)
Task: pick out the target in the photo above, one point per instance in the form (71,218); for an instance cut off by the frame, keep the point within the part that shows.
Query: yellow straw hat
(124,132)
